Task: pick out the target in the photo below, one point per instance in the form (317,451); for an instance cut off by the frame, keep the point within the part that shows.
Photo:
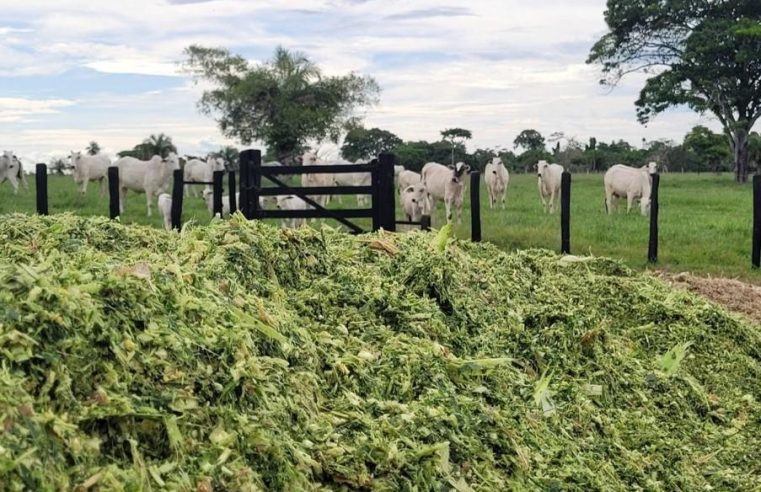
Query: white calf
(497,178)
(90,168)
(414,200)
(291,202)
(549,178)
(165,209)
(446,184)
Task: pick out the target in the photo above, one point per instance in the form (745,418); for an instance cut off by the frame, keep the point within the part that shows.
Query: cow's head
(172,161)
(541,168)
(458,170)
(652,168)
(309,159)
(496,162)
(75,156)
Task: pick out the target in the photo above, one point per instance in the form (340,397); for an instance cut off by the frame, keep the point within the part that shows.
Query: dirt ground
(734,295)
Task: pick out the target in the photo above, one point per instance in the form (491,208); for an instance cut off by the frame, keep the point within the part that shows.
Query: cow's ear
(467,169)
(451,166)
(409,189)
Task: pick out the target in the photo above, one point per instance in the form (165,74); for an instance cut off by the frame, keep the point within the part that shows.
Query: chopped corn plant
(242,357)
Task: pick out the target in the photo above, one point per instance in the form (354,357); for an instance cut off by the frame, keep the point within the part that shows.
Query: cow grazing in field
(150,177)
(292,202)
(201,171)
(90,168)
(497,178)
(414,200)
(12,170)
(630,182)
(549,177)
(445,183)
(165,209)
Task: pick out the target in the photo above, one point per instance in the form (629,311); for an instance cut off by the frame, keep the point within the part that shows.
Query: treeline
(701,150)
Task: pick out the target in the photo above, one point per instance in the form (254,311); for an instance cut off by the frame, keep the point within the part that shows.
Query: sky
(80,70)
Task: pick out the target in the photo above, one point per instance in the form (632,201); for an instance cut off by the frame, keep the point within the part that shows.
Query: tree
(361,143)
(93,148)
(284,102)
(158,145)
(709,148)
(529,140)
(592,148)
(230,156)
(455,137)
(58,166)
(703,54)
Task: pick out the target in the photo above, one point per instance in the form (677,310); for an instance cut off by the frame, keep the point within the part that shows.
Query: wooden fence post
(113,192)
(41,177)
(565,213)
(217,177)
(249,198)
(757,221)
(177,191)
(231,191)
(652,250)
(475,206)
(384,202)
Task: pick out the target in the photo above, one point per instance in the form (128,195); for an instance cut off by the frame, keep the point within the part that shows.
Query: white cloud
(493,66)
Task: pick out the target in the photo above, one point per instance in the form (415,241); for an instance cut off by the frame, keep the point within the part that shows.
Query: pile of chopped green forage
(242,357)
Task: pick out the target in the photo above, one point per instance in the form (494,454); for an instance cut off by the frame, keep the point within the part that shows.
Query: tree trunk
(740,150)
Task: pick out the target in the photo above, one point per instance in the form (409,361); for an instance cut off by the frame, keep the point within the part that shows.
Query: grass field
(705,220)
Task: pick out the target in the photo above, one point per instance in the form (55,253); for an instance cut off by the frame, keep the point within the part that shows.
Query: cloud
(429,13)
(18,109)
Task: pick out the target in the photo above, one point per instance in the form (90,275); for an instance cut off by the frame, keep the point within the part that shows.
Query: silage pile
(241,357)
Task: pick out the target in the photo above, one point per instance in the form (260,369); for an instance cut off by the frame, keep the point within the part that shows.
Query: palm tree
(93,148)
(230,157)
(157,145)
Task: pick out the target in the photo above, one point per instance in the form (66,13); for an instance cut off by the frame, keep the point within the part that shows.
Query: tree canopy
(529,140)
(702,54)
(160,144)
(362,143)
(283,102)
(93,148)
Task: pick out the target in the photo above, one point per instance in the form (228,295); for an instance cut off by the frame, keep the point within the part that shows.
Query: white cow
(291,202)
(353,179)
(150,177)
(549,177)
(201,171)
(408,178)
(414,200)
(497,178)
(310,159)
(12,170)
(446,184)
(630,182)
(165,209)
(90,168)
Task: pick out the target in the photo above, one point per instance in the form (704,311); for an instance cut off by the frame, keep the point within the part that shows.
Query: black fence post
(475,206)
(652,250)
(256,182)
(231,191)
(757,221)
(177,191)
(565,213)
(113,192)
(41,177)
(383,199)
(425,222)
(217,176)
(249,198)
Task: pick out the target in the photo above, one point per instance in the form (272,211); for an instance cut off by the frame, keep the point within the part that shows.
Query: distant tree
(93,148)
(58,166)
(455,137)
(230,156)
(160,144)
(592,149)
(703,54)
(362,143)
(284,102)
(709,148)
(529,140)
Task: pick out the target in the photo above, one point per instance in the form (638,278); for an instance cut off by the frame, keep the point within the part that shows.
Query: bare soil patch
(737,296)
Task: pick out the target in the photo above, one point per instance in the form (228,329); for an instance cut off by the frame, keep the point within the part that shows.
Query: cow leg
(609,203)
(630,201)
(148,196)
(103,187)
(448,208)
(122,197)
(504,197)
(84,185)
(458,206)
(552,201)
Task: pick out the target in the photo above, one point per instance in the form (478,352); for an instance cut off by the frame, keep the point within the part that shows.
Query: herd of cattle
(419,193)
